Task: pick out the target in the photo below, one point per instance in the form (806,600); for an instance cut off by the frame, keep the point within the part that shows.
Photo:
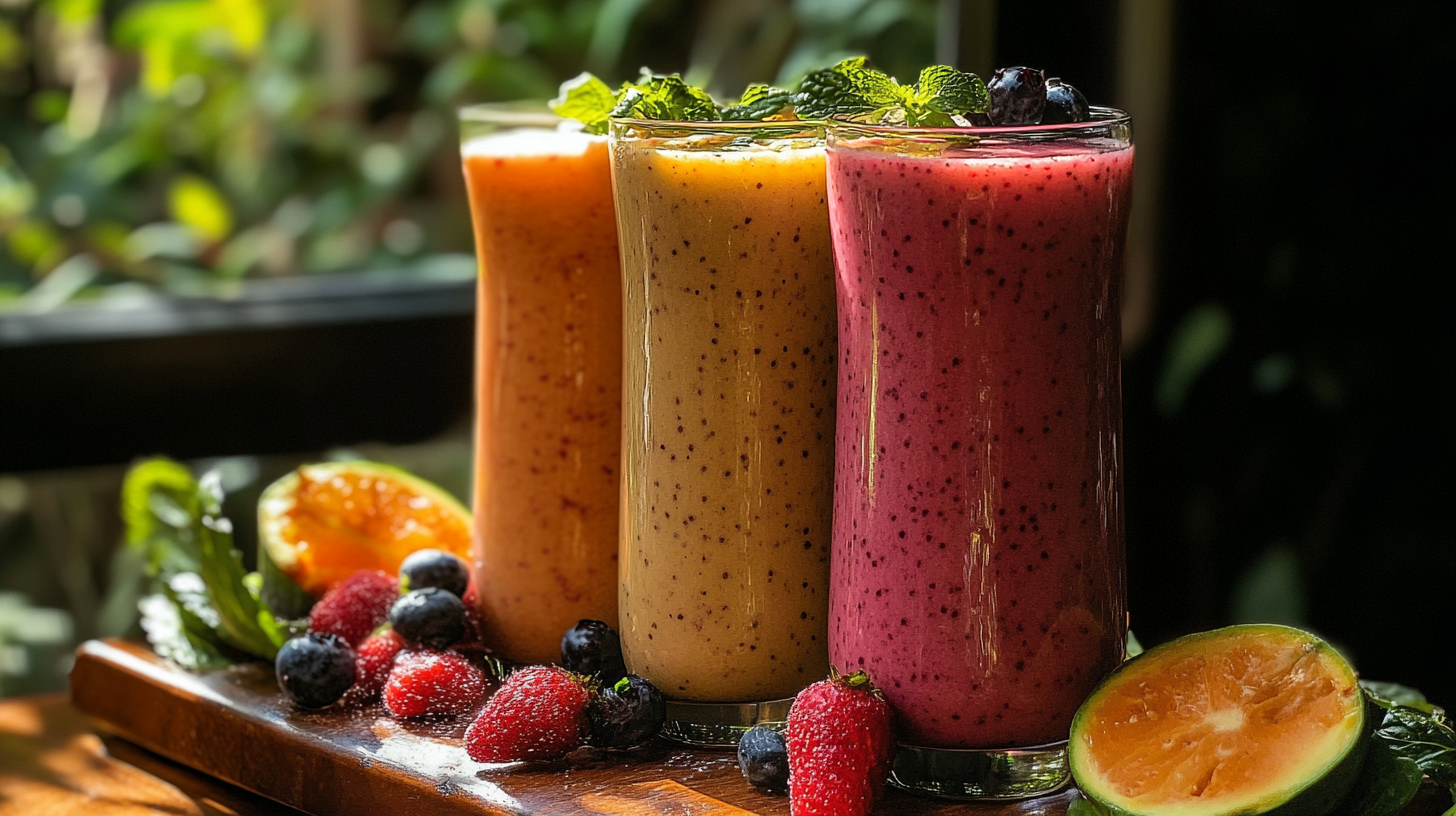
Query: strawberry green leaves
(851,90)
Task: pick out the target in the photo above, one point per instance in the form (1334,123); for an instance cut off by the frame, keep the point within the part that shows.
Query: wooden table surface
(55,761)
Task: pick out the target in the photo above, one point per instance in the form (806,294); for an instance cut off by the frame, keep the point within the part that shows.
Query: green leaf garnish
(177,522)
(760,102)
(586,99)
(851,90)
(665,97)
(1406,742)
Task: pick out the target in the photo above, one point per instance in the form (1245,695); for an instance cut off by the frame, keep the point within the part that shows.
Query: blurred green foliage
(187,144)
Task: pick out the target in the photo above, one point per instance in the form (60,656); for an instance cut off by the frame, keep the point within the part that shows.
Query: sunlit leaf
(245,20)
(193,201)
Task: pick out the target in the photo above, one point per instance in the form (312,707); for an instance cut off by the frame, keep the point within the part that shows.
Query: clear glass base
(1000,773)
(721,724)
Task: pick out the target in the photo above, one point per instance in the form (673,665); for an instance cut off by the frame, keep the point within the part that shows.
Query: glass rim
(520,112)
(1101,119)
(718,127)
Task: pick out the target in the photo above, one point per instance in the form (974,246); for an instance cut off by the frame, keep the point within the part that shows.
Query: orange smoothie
(728,404)
(548,386)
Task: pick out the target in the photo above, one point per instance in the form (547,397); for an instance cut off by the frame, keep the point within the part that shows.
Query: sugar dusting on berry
(433,683)
(356,606)
(538,713)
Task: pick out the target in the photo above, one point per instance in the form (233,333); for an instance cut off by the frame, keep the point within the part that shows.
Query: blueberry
(432,618)
(1064,104)
(764,758)
(434,568)
(627,714)
(1018,96)
(592,647)
(314,670)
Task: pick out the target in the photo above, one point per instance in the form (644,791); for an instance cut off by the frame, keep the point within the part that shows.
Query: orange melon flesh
(1236,720)
(324,522)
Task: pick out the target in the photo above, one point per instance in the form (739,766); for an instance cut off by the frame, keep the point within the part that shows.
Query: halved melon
(1255,719)
(321,523)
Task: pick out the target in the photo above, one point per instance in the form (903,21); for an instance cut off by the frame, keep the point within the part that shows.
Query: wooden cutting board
(233,724)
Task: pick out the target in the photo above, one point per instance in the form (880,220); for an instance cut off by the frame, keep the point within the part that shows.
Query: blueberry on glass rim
(1018,96)
(434,568)
(1064,104)
(431,618)
(314,670)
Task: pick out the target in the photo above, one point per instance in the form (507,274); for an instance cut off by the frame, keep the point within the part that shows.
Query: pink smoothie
(977,568)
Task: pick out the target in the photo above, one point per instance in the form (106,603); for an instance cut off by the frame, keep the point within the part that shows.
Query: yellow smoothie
(728,410)
(548,386)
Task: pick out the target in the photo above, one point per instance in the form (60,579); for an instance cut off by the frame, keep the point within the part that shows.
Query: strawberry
(372,662)
(539,712)
(439,683)
(841,742)
(355,606)
(471,599)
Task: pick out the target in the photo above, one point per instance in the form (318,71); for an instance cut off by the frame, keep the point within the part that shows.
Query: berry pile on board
(384,643)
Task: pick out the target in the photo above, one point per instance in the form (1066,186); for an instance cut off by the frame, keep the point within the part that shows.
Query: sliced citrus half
(322,523)
(1255,719)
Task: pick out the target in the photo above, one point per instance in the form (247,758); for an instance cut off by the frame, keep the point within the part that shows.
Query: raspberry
(471,599)
(373,661)
(539,712)
(355,606)
(442,683)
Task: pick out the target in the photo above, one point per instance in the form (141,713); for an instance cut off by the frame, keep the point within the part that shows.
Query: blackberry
(627,714)
(592,647)
(1018,96)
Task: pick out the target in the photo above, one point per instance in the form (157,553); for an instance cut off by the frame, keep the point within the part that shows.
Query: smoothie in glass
(978,553)
(548,380)
(728,407)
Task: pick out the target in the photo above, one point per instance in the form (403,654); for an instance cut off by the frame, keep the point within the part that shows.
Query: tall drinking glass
(978,540)
(728,416)
(548,378)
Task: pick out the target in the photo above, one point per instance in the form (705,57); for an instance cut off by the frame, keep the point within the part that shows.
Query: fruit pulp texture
(1221,724)
(340,519)
(729,419)
(548,387)
(978,564)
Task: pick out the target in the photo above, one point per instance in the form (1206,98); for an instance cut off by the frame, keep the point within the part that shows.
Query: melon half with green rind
(322,523)
(1250,719)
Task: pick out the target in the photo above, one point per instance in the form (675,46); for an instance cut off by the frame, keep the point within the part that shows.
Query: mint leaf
(158,506)
(177,522)
(942,92)
(245,624)
(586,99)
(1386,695)
(847,90)
(1387,783)
(1134,648)
(760,102)
(665,98)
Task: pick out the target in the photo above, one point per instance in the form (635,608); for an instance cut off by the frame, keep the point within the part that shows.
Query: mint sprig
(760,102)
(591,102)
(586,99)
(852,90)
(177,522)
